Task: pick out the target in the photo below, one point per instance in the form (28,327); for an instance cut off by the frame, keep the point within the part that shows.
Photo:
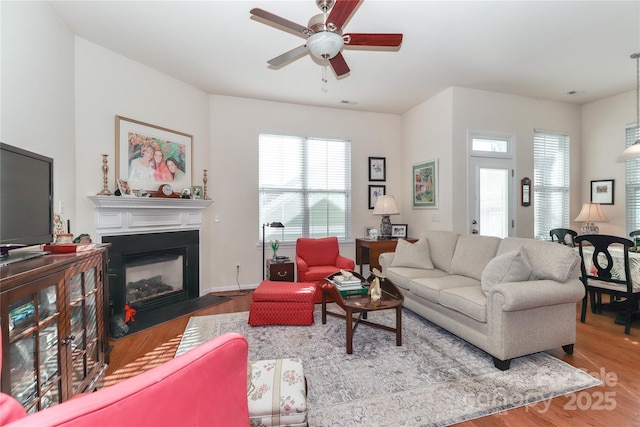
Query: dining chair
(606,272)
(634,235)
(561,235)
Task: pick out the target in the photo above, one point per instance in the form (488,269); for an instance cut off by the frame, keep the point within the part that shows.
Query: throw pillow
(512,266)
(414,255)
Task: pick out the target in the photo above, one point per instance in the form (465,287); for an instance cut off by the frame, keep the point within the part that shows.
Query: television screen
(26,197)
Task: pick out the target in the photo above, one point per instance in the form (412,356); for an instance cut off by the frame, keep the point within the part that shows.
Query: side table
(280,271)
(368,250)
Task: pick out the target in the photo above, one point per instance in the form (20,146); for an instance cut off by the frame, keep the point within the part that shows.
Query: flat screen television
(26,201)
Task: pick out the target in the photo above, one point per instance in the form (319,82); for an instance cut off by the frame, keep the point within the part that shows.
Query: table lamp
(272,225)
(589,214)
(385,206)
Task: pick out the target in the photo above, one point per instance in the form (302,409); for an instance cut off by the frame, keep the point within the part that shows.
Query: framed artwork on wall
(602,192)
(374,192)
(425,184)
(148,156)
(377,168)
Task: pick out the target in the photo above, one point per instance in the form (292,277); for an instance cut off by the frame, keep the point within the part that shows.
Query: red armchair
(318,258)
(206,386)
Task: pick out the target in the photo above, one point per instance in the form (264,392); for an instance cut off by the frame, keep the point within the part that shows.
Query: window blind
(305,183)
(632,183)
(550,182)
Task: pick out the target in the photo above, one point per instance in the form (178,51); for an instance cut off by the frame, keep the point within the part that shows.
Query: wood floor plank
(602,349)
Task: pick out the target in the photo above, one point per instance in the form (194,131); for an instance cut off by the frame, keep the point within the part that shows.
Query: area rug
(433,379)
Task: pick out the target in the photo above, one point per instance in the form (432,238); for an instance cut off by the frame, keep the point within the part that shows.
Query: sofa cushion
(549,260)
(512,266)
(472,254)
(414,255)
(442,244)
(470,301)
(402,276)
(430,287)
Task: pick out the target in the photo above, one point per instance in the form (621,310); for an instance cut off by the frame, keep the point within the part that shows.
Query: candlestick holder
(105,180)
(204,186)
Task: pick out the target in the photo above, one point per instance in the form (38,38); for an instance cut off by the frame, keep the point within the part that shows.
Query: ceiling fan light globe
(325,44)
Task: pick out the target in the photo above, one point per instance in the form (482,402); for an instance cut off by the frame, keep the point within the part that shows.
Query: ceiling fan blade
(368,39)
(287,56)
(304,31)
(339,65)
(341,12)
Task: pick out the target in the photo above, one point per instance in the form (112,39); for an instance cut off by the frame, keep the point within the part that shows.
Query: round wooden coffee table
(361,304)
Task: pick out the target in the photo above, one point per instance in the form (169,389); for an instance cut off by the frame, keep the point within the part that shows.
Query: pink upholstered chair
(318,258)
(206,386)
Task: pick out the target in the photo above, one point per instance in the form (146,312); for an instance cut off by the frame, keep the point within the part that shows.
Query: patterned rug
(433,379)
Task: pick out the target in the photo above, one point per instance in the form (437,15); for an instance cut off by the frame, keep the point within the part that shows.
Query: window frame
(632,182)
(300,221)
(550,181)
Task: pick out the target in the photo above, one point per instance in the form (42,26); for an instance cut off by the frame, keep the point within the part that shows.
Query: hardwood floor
(602,349)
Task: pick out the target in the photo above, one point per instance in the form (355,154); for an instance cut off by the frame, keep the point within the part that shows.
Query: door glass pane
(494,202)
(489,145)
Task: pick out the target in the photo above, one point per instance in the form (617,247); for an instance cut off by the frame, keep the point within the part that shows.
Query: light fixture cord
(638,94)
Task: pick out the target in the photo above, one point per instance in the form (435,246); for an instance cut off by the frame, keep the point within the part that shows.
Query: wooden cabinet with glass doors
(52,312)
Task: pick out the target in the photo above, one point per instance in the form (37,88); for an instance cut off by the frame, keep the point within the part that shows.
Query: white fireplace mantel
(138,215)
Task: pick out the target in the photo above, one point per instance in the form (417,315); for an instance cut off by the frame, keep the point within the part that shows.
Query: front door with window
(491,185)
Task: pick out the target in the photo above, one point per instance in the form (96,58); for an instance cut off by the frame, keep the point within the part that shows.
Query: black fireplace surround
(141,248)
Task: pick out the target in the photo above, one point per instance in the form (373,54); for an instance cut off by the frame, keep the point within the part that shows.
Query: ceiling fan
(324,34)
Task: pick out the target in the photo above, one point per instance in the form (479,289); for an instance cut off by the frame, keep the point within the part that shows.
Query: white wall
(438,129)
(235,126)
(603,129)
(427,135)
(481,110)
(37,110)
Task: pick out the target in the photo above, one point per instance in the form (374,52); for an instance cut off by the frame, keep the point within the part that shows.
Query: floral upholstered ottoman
(277,393)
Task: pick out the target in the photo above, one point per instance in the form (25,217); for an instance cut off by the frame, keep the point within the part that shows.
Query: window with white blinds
(550,182)
(304,183)
(633,183)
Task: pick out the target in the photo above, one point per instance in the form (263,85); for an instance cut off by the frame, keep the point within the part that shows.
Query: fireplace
(154,258)
(153,271)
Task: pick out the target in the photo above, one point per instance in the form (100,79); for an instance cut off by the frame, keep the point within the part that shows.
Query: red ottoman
(282,303)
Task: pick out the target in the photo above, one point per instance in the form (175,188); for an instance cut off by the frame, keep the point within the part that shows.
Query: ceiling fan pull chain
(324,76)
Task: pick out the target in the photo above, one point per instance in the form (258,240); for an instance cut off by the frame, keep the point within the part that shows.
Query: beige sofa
(509,297)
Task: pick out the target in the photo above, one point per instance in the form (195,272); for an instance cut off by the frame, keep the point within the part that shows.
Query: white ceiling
(539,49)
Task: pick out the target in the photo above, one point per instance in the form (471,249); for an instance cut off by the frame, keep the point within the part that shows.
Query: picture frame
(425,184)
(602,191)
(399,230)
(374,192)
(367,230)
(138,148)
(125,189)
(196,192)
(377,169)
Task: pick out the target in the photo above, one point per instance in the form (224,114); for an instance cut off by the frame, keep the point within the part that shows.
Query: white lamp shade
(591,212)
(632,152)
(325,44)
(385,205)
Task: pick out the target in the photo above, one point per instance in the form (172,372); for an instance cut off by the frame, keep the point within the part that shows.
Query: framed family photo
(374,192)
(602,192)
(399,230)
(125,189)
(377,169)
(425,184)
(148,156)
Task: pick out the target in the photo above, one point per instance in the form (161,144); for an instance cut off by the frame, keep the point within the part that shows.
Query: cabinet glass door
(84,328)
(34,350)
